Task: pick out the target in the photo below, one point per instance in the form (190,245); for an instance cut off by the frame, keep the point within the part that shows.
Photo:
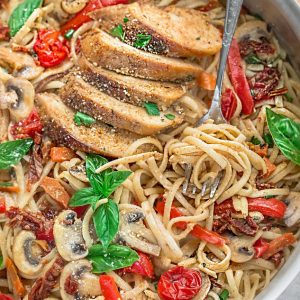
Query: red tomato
(143,266)
(2,205)
(51,48)
(5,297)
(179,283)
(228,104)
(27,127)
(109,288)
(80,210)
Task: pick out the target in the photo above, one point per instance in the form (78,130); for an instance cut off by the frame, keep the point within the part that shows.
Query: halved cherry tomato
(143,266)
(198,231)
(109,288)
(2,205)
(51,48)
(83,17)
(179,283)
(260,247)
(27,127)
(228,104)
(238,78)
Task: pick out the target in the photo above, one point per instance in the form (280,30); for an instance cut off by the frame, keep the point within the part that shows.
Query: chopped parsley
(252,59)
(83,119)
(224,295)
(255,141)
(269,196)
(6,184)
(269,140)
(170,116)
(142,40)
(288,97)
(125,20)
(118,32)
(152,109)
(68,35)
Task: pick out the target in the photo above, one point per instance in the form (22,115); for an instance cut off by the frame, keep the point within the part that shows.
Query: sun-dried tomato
(263,46)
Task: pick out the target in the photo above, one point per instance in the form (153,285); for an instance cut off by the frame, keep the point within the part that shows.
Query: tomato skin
(51,49)
(228,104)
(109,288)
(179,283)
(143,266)
(2,206)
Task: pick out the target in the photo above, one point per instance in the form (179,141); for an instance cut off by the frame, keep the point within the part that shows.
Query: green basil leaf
(255,141)
(269,140)
(252,59)
(12,152)
(106,221)
(21,14)
(224,295)
(142,40)
(152,109)
(286,135)
(118,32)
(83,197)
(125,20)
(83,119)
(113,180)
(111,258)
(170,116)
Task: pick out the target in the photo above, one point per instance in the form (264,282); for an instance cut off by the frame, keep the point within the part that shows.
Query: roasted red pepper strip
(198,231)
(5,297)
(2,205)
(51,48)
(238,78)
(143,266)
(228,104)
(27,127)
(268,207)
(109,288)
(83,17)
(260,247)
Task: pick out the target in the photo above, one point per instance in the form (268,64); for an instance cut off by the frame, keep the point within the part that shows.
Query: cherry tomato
(228,104)
(109,288)
(27,127)
(179,283)
(51,48)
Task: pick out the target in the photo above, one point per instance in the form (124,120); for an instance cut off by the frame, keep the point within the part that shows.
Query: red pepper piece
(2,205)
(198,231)
(51,48)
(238,78)
(228,104)
(27,127)
(83,17)
(5,297)
(143,266)
(109,288)
(260,247)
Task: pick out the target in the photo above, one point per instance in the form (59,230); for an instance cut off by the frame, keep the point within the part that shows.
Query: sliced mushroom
(292,214)
(205,288)
(24,91)
(73,6)
(241,248)
(135,234)
(68,236)
(79,172)
(27,254)
(87,283)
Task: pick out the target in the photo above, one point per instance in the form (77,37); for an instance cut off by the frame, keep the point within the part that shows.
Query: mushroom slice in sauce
(79,172)
(135,234)
(241,248)
(27,254)
(73,6)
(292,214)
(25,93)
(68,236)
(84,283)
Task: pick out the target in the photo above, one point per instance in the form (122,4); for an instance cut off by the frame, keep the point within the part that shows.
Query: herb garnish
(118,32)
(286,135)
(142,40)
(288,97)
(6,184)
(252,59)
(170,116)
(69,34)
(269,140)
(83,119)
(224,295)
(152,109)
(13,151)
(125,20)
(255,141)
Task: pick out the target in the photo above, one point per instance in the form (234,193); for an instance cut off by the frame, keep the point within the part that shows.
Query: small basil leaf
(269,140)
(21,14)
(286,135)
(83,119)
(142,40)
(83,197)
(152,109)
(255,141)
(106,221)
(111,258)
(224,295)
(170,116)
(252,59)
(113,180)
(118,32)
(12,152)
(69,34)
(125,20)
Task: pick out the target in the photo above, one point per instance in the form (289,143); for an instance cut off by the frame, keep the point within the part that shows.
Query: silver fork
(233,8)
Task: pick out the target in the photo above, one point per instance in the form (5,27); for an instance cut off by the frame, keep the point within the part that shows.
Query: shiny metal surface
(284,16)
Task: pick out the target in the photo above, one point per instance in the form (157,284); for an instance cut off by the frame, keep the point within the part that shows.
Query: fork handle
(233,8)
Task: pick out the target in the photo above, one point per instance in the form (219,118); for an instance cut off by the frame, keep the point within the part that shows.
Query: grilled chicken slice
(82,96)
(130,89)
(175,31)
(106,51)
(98,138)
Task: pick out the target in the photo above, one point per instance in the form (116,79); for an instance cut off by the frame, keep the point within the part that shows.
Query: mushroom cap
(73,6)
(25,259)
(241,248)
(68,236)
